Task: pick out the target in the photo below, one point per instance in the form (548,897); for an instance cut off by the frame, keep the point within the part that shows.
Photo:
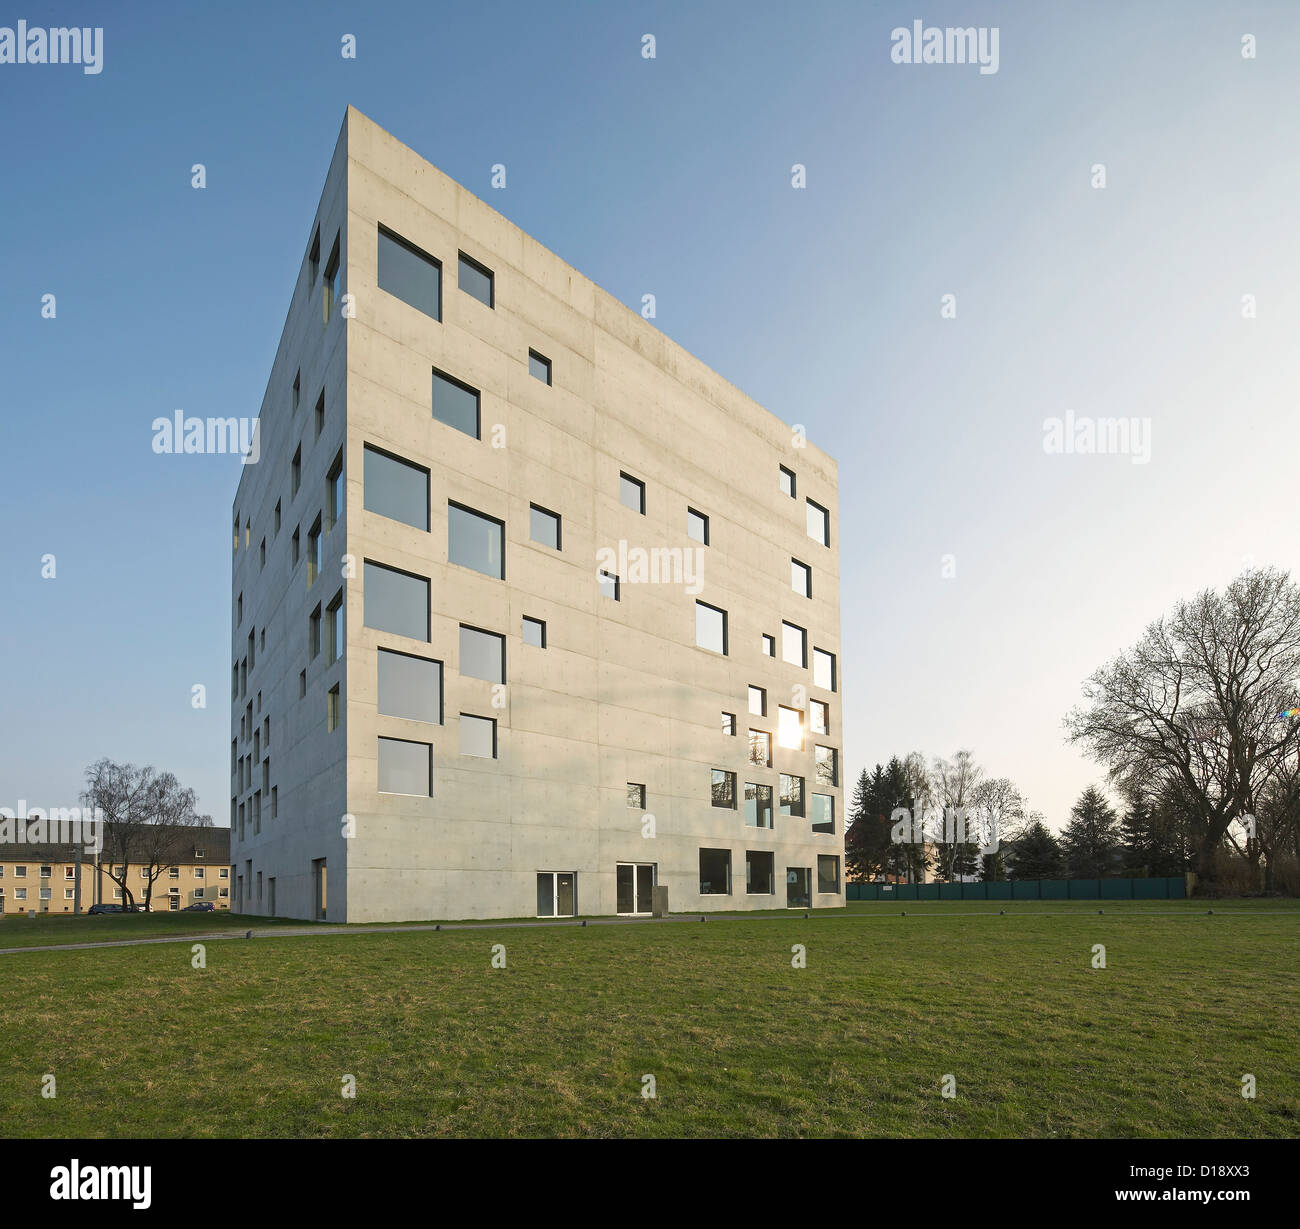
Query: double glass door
(635,881)
(557,894)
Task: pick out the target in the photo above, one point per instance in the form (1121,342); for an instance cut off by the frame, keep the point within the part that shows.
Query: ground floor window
(798,894)
(715,872)
(759,873)
(828,873)
(635,883)
(557,894)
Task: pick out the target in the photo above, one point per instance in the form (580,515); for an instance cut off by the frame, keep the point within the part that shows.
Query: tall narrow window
(824,669)
(333,278)
(710,628)
(297,391)
(313,633)
(724,788)
(334,628)
(313,260)
(609,585)
(758,805)
(791,795)
(295,473)
(410,274)
(760,748)
(334,493)
(828,772)
(819,523)
(319,416)
(819,715)
(476,280)
(790,728)
(794,644)
(757,701)
(332,709)
(787,481)
(800,578)
(313,552)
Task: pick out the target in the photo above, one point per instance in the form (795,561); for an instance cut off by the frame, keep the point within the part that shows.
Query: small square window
(544,526)
(478,736)
(482,655)
(477,281)
(539,367)
(534,632)
(609,585)
(631,493)
(476,541)
(787,481)
(636,796)
(697,526)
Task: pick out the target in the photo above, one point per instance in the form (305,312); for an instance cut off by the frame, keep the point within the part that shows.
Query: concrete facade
(621,694)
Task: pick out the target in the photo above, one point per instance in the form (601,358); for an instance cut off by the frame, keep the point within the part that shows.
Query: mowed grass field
(738,1041)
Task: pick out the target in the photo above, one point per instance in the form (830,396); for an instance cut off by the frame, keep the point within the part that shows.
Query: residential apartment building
(43,878)
(531,611)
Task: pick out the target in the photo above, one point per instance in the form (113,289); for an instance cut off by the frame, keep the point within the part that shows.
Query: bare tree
(954,784)
(1193,706)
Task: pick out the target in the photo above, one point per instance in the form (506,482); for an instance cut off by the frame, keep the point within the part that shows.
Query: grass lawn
(44,928)
(738,1041)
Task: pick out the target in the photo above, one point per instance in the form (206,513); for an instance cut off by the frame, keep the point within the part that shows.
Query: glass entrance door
(635,881)
(557,894)
(798,887)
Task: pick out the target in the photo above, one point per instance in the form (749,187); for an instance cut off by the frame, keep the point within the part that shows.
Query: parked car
(203,906)
(104,909)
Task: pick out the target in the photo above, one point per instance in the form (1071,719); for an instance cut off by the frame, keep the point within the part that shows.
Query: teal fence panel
(1117,889)
(998,891)
(952,891)
(1054,889)
(1172,888)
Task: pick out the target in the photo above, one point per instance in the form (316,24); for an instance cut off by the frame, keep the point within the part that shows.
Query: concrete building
(531,610)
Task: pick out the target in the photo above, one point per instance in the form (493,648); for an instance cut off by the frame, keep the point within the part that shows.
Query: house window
(794,644)
(757,701)
(823,669)
(67,893)
(334,628)
(823,813)
(173,872)
(544,526)
(787,481)
(790,728)
(800,578)
(631,492)
(715,872)
(334,493)
(46,871)
(405,767)
(557,894)
(724,789)
(476,280)
(827,766)
(819,713)
(758,805)
(769,645)
(69,872)
(697,526)
(409,687)
(819,523)
(710,628)
(476,541)
(410,274)
(395,488)
(482,655)
(791,795)
(534,632)
(729,723)
(760,748)
(759,873)
(539,367)
(636,796)
(396,601)
(609,585)
(478,736)
(20,872)
(455,404)
(828,873)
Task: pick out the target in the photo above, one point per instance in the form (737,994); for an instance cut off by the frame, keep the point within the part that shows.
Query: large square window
(794,644)
(631,492)
(759,873)
(478,736)
(396,488)
(724,789)
(791,795)
(477,281)
(411,275)
(476,541)
(823,669)
(405,767)
(710,627)
(715,872)
(544,526)
(409,687)
(455,404)
(828,873)
(482,655)
(823,813)
(396,601)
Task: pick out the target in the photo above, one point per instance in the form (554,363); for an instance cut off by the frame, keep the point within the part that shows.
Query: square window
(636,796)
(758,805)
(800,578)
(823,669)
(819,523)
(476,280)
(724,789)
(794,644)
(729,723)
(790,728)
(482,655)
(631,493)
(539,367)
(544,526)
(757,701)
(478,736)
(828,873)
(819,716)
(409,687)
(697,526)
(396,601)
(476,541)
(823,813)
(410,274)
(791,795)
(710,628)
(760,748)
(534,632)
(827,766)
(715,872)
(405,767)
(787,481)
(395,488)
(609,585)
(455,404)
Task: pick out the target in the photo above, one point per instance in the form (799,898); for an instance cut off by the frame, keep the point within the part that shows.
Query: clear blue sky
(672,177)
